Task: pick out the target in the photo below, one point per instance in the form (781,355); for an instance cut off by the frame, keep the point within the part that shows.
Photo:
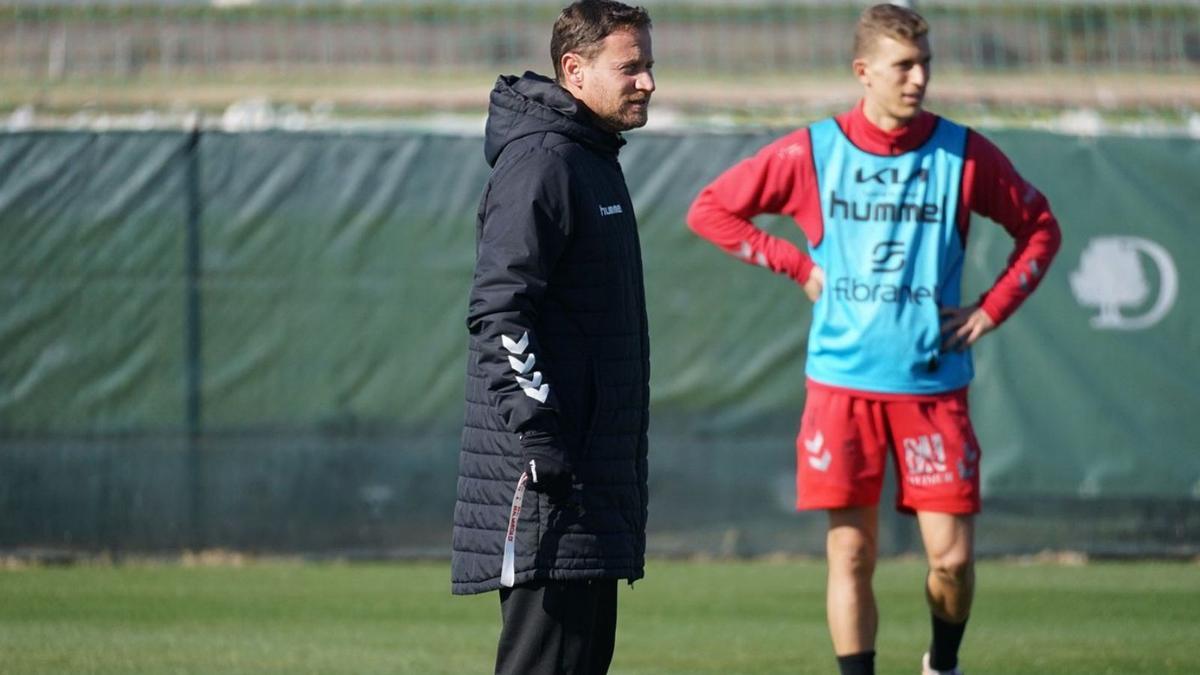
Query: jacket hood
(534,104)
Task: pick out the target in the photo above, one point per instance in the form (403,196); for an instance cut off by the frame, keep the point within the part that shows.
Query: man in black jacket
(558,368)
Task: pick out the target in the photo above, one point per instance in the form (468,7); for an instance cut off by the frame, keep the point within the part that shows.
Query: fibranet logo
(1111,276)
(884,212)
(849,289)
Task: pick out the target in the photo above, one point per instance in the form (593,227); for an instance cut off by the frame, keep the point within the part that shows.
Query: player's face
(616,85)
(894,74)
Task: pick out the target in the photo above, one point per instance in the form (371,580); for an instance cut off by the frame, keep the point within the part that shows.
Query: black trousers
(557,628)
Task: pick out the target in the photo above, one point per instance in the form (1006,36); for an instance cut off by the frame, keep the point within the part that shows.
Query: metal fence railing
(153,50)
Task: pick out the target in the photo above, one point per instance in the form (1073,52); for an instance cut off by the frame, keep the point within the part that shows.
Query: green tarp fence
(256,341)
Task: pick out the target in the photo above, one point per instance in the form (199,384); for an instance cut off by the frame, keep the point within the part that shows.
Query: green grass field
(729,618)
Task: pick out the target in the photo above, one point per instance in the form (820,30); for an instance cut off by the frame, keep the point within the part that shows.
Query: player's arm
(524,230)
(995,190)
(771,181)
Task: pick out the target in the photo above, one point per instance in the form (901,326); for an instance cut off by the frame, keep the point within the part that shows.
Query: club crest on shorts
(925,460)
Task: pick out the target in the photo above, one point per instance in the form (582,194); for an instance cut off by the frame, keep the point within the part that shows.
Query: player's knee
(852,556)
(953,568)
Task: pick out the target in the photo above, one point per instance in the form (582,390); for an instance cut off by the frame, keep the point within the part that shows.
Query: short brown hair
(582,27)
(886,20)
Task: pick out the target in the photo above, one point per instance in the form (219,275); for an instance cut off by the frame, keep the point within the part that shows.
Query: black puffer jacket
(559,350)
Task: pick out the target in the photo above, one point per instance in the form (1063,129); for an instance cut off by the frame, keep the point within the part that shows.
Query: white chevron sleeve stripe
(540,394)
(522,367)
(535,382)
(515,347)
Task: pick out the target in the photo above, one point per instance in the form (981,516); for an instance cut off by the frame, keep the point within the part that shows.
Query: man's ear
(572,69)
(859,66)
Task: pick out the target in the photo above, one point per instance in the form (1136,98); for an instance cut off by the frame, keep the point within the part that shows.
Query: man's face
(617,83)
(894,74)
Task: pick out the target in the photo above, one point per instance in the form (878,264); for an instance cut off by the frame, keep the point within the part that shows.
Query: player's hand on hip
(963,326)
(815,283)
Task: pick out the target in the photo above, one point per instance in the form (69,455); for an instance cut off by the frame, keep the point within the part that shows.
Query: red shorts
(844,441)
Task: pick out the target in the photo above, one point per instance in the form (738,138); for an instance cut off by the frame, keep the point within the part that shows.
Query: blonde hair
(886,20)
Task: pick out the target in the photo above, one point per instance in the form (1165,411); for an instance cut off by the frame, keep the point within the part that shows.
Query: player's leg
(937,458)
(950,583)
(851,547)
(842,455)
(950,549)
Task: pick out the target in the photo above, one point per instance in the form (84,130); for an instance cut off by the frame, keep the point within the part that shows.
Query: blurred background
(236,240)
(245,63)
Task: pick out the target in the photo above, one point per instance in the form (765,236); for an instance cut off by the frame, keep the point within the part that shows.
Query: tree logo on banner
(1111,276)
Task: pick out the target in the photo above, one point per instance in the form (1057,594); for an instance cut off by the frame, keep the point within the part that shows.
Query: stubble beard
(626,118)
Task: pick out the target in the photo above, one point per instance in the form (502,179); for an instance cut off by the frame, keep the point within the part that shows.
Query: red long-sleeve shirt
(781,178)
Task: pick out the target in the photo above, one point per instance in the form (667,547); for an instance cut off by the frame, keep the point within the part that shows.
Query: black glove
(547,465)
(547,474)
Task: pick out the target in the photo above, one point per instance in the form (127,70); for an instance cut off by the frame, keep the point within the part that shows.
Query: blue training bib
(892,256)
